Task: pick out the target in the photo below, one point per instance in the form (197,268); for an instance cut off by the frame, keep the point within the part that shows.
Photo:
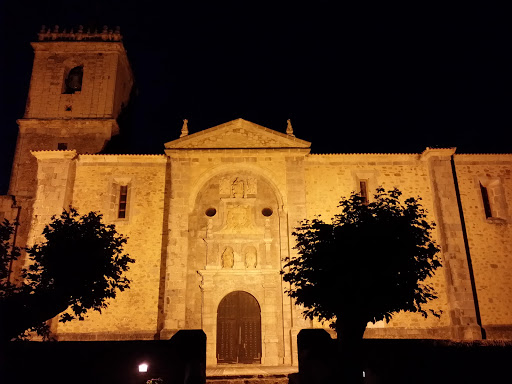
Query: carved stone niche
(251,257)
(227,258)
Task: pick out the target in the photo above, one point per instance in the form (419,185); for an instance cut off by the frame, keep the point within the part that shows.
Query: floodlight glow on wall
(143,367)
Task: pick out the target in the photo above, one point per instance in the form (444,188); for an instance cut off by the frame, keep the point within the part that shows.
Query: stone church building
(210,219)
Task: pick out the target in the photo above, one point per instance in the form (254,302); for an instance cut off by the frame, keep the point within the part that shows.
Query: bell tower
(80,83)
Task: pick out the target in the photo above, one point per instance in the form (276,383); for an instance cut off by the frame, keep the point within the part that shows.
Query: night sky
(351,80)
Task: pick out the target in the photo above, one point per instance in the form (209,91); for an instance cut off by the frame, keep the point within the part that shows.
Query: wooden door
(239,329)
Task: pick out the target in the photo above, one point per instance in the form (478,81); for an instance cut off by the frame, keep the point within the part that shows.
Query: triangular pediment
(235,134)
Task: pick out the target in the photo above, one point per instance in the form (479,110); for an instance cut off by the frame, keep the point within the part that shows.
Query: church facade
(210,220)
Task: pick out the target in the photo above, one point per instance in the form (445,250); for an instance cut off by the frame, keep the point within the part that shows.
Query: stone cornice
(363,157)
(108,127)
(54,155)
(103,158)
(78,46)
(235,151)
(429,153)
(487,157)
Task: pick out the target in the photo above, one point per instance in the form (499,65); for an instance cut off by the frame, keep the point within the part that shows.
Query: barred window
(123,201)
(363,190)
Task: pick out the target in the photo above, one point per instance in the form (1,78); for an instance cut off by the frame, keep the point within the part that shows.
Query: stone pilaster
(463,315)
(296,193)
(177,249)
(55,183)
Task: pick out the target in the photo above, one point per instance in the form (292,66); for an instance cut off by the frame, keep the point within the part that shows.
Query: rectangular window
(363,190)
(486,201)
(123,201)
(62,146)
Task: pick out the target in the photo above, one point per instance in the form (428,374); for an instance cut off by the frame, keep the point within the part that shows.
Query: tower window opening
(123,201)
(486,201)
(73,81)
(363,190)
(62,146)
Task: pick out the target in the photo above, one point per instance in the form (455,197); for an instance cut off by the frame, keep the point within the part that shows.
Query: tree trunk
(350,332)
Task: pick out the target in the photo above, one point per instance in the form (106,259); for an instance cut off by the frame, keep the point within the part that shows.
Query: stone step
(248,379)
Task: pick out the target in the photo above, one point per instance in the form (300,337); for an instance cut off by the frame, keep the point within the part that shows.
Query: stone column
(451,238)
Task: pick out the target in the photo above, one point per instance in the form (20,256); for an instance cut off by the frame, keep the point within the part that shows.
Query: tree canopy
(78,267)
(369,262)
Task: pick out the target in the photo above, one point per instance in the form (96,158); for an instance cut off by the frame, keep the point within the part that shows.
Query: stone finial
(289,129)
(184,129)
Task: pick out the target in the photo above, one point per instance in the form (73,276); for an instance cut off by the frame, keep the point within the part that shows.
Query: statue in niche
(250,257)
(238,188)
(228,258)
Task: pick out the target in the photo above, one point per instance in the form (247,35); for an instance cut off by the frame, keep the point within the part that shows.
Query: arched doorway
(239,329)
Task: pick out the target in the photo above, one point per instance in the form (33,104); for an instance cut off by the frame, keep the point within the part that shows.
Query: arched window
(73,81)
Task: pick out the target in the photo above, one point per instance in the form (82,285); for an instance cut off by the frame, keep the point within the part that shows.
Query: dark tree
(78,267)
(8,255)
(369,263)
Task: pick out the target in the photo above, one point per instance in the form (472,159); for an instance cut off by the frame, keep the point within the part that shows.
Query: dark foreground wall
(180,360)
(408,361)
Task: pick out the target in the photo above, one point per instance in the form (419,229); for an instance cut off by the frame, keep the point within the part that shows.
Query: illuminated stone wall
(490,239)
(95,187)
(329,177)
(188,260)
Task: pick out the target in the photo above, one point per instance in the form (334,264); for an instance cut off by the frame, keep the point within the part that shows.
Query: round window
(267,212)
(210,212)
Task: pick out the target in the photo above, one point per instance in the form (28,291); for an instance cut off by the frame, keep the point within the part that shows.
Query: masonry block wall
(489,237)
(329,177)
(133,314)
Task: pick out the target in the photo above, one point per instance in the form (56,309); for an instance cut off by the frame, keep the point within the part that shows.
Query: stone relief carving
(225,185)
(251,258)
(252,186)
(237,187)
(228,258)
(238,217)
(238,139)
